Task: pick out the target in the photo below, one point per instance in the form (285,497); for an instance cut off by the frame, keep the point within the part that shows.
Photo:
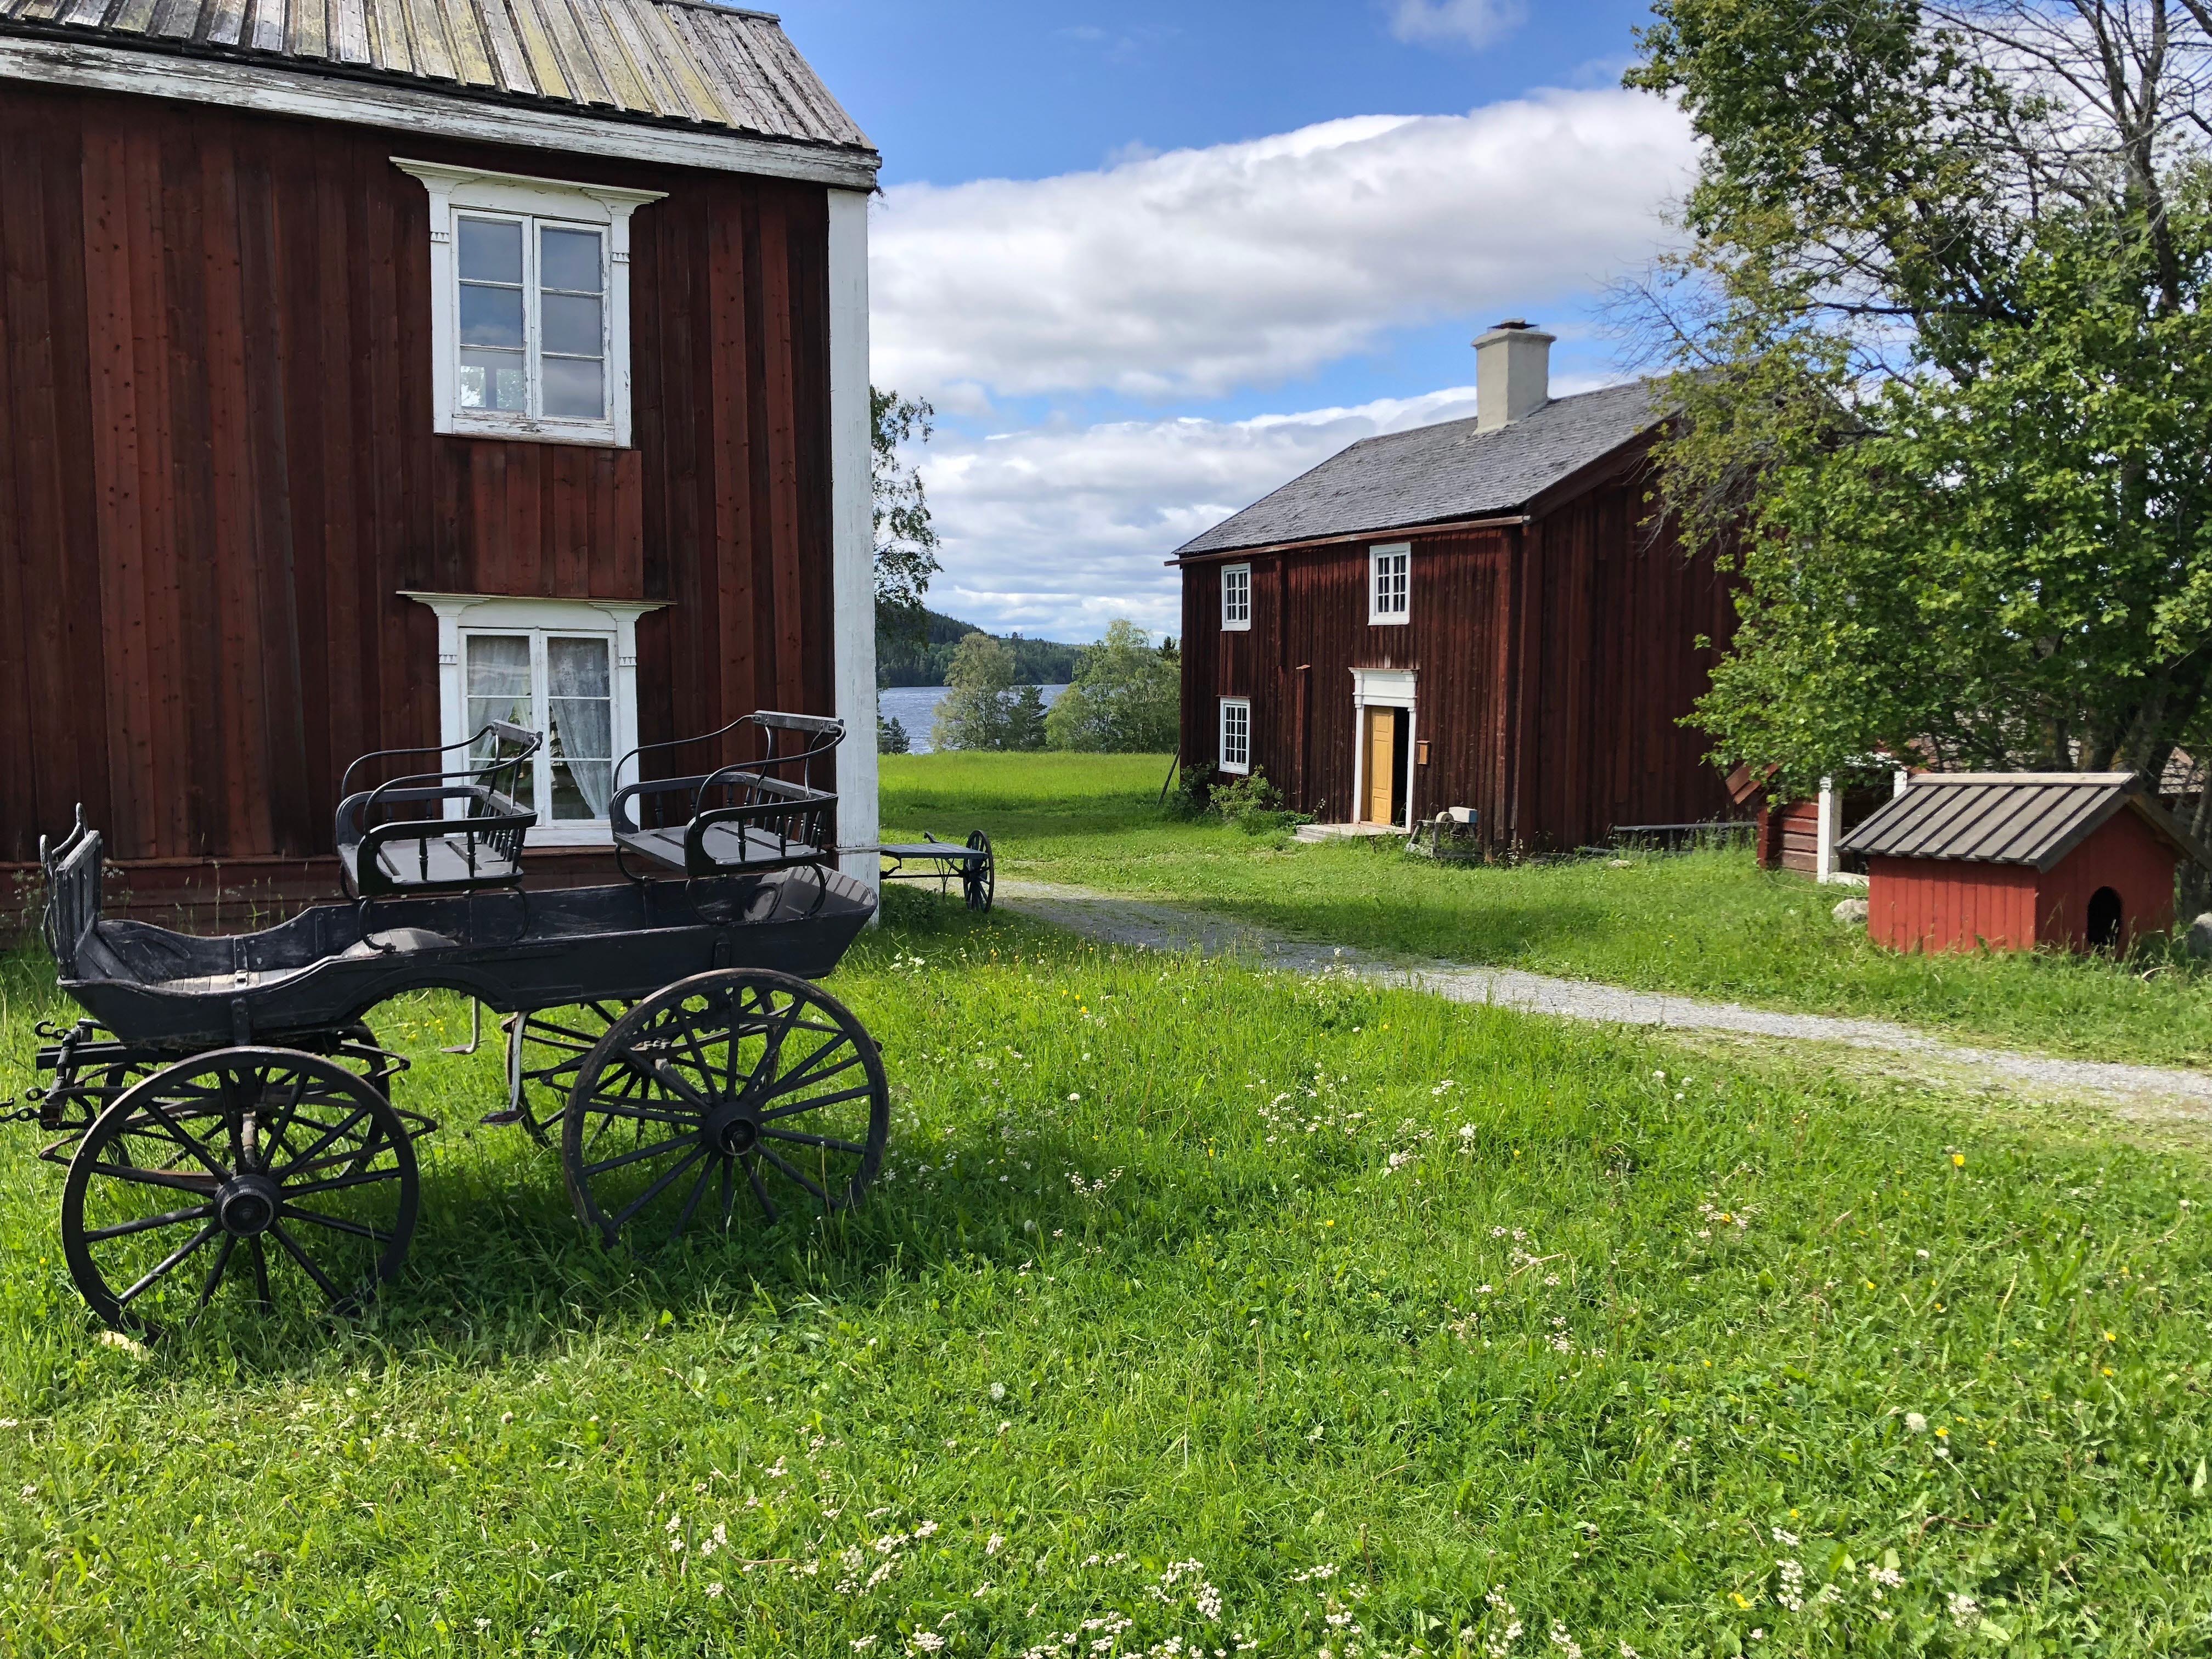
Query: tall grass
(1200,1310)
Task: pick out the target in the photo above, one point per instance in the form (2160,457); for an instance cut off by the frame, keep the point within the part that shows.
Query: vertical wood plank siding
(1553,662)
(1952,904)
(217,470)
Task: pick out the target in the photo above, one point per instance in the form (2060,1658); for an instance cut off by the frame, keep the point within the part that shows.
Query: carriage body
(327,967)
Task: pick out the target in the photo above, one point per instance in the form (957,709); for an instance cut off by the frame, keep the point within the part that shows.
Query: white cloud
(1199,271)
(1473,22)
(1057,531)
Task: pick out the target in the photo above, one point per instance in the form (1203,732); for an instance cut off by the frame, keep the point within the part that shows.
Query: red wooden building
(366,370)
(1472,614)
(2007,861)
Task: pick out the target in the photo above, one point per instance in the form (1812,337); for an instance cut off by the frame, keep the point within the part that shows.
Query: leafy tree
(982,707)
(906,541)
(1126,697)
(892,737)
(1940,340)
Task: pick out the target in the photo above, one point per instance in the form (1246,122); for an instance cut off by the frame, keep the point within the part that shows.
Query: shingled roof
(672,62)
(2034,819)
(1438,474)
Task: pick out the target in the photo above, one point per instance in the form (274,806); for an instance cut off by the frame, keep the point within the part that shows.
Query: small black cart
(225,1112)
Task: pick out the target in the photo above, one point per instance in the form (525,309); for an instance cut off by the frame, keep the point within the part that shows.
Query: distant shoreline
(915,708)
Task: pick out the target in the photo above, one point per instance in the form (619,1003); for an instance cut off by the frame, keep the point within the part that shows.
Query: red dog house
(2012,860)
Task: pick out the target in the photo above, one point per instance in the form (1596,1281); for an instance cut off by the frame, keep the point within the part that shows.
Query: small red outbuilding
(2015,860)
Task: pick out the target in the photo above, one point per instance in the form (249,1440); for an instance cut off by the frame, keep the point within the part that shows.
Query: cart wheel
(544,1050)
(281,1173)
(737,1086)
(980,881)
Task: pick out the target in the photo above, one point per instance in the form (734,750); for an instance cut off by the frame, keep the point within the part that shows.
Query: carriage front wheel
(737,1090)
(266,1175)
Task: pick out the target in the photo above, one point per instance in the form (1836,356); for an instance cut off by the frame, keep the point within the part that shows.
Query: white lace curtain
(499,686)
(578,686)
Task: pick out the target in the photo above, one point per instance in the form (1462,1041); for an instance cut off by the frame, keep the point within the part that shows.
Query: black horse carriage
(225,1113)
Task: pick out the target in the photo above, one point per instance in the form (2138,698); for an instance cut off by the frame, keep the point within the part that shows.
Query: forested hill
(903,660)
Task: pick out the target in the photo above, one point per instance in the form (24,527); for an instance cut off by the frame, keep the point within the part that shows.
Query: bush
(1125,698)
(1188,798)
(1255,805)
(892,737)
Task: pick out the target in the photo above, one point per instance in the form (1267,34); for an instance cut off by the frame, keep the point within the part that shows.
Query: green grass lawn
(1709,925)
(1200,1311)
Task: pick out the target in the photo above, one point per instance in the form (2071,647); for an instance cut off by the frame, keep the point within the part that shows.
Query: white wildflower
(1790,1592)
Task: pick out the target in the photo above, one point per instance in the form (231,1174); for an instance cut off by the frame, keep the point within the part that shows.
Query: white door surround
(1382,687)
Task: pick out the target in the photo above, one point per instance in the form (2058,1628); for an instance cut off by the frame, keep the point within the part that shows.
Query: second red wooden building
(1474,614)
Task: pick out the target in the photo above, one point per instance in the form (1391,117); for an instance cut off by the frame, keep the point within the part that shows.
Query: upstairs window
(1236,735)
(529,305)
(533,317)
(1389,584)
(1237,596)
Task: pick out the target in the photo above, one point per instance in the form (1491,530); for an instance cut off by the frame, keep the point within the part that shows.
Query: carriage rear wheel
(979,879)
(282,1174)
(740,1088)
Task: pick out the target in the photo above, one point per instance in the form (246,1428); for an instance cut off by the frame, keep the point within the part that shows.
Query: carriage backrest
(799,740)
(73,870)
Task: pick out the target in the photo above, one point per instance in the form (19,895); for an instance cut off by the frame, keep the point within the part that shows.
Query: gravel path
(2150,1090)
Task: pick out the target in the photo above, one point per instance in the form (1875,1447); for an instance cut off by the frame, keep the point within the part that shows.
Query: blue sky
(1151,260)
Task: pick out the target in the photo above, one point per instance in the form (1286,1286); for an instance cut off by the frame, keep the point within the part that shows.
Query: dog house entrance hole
(2104,919)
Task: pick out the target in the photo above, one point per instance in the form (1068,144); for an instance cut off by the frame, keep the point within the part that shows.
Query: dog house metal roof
(2034,818)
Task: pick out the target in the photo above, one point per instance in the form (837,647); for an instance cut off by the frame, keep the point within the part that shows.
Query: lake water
(914,707)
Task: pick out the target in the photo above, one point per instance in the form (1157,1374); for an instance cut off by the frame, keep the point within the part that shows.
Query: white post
(1899,780)
(1825,866)
(853,530)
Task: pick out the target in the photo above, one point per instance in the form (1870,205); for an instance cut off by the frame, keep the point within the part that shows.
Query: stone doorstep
(1343,831)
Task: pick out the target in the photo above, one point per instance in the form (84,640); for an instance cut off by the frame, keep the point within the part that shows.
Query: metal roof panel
(688,62)
(2034,818)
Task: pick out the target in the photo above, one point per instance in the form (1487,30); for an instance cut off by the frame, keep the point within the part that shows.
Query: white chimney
(1512,374)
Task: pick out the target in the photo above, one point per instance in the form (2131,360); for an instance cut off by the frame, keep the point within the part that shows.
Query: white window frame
(1243,767)
(1236,619)
(1377,556)
(460,615)
(463,192)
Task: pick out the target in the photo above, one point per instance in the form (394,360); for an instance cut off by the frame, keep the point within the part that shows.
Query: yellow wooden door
(1382,762)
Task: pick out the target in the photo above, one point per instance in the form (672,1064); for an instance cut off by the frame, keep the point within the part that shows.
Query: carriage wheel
(979,880)
(545,1051)
(739,1087)
(282,1175)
